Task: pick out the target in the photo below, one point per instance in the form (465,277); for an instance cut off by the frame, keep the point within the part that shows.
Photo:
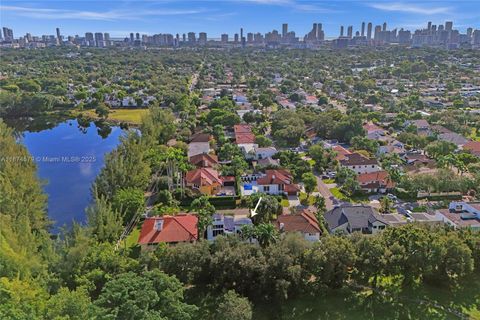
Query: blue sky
(216,17)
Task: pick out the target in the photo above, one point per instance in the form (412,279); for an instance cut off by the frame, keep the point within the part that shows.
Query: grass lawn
(328,181)
(132,238)
(338,194)
(128,115)
(125,115)
(311,199)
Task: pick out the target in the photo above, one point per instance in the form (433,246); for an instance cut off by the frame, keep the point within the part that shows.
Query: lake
(69,157)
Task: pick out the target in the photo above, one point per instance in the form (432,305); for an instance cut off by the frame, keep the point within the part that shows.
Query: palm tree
(266,234)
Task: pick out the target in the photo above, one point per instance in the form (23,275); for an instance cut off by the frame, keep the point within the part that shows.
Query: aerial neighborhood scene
(182,160)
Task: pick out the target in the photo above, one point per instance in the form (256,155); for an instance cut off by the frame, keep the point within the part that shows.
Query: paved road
(325,192)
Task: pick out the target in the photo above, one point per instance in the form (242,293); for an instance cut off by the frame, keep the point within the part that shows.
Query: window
(218,232)
(266,188)
(281,187)
(373,166)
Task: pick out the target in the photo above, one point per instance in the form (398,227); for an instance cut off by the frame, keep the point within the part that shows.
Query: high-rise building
(384,26)
(376,35)
(191,37)
(132,37)
(284,30)
(369,31)
(449,25)
(89,40)
(469,32)
(184,37)
(59,37)
(224,38)
(341,31)
(99,40)
(137,36)
(8,34)
(202,38)
(250,37)
(476,37)
(235,38)
(106,38)
(350,32)
(363,29)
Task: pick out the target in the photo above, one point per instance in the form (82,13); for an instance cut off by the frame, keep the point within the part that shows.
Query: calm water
(68,158)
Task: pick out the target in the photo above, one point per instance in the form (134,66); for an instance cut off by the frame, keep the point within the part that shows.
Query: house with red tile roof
(245,139)
(206,180)
(204,160)
(168,229)
(303,222)
(341,152)
(378,181)
(277,181)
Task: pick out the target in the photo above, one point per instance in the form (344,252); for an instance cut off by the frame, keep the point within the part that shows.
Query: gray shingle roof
(357,217)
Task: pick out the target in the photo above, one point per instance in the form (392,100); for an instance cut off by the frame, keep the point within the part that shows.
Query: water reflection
(69,155)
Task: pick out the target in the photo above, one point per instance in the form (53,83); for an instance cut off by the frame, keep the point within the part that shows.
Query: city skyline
(218,17)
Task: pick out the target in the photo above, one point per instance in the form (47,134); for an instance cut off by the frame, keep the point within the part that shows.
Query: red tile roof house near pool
(278,181)
(168,229)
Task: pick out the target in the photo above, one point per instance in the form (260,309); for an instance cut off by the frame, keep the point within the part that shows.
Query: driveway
(325,192)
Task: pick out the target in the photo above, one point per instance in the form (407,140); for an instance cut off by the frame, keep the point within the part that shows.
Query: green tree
(104,221)
(128,202)
(234,307)
(152,295)
(310,182)
(204,210)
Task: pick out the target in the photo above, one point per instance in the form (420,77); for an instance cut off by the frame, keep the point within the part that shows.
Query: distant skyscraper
(376,35)
(350,31)
(341,31)
(224,38)
(89,39)
(384,27)
(469,32)
(250,37)
(429,26)
(99,39)
(137,36)
(363,29)
(184,37)
(59,37)
(191,37)
(106,38)
(235,38)
(284,30)
(8,34)
(202,38)
(449,25)
(369,31)
(132,37)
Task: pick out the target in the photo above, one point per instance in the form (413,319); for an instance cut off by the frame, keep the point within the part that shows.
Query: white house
(264,153)
(225,225)
(359,163)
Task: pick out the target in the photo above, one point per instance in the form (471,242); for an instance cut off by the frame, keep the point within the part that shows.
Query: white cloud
(47,13)
(311,7)
(409,8)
